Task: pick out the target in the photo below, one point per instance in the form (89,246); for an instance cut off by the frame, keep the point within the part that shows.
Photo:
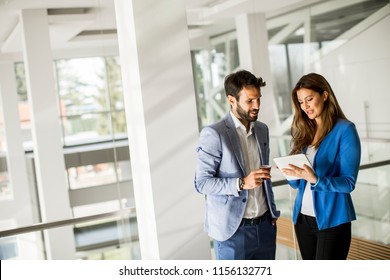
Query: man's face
(247,107)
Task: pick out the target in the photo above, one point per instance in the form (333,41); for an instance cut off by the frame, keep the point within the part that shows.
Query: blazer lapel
(261,143)
(235,142)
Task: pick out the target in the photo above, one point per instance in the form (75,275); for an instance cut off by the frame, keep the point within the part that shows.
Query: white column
(162,127)
(48,154)
(19,209)
(252,40)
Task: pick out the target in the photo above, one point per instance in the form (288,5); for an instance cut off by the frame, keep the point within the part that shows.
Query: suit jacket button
(244,200)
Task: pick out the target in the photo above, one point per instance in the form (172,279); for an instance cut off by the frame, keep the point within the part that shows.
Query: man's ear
(231,99)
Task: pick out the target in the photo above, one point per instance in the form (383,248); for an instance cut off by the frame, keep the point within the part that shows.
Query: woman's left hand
(305,173)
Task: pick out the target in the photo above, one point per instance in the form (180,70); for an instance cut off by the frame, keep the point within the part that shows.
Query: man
(240,209)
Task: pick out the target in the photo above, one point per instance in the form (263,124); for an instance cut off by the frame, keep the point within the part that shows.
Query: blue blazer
(336,164)
(220,163)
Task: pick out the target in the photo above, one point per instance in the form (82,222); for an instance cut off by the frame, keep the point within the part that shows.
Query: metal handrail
(374,164)
(72,221)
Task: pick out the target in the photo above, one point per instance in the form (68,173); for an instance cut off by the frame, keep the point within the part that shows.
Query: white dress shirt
(257,204)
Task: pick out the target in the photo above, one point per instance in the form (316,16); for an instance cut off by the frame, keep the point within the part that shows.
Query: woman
(323,208)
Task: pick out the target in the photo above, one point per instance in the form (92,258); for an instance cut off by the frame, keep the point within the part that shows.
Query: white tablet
(297,160)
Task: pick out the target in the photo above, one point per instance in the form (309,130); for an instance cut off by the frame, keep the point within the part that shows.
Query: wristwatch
(241,183)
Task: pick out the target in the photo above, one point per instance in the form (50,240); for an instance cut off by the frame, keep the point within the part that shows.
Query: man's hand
(256,177)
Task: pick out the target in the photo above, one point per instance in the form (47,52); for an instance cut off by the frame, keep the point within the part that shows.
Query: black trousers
(328,244)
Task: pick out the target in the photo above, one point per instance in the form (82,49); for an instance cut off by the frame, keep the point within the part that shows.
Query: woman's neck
(319,127)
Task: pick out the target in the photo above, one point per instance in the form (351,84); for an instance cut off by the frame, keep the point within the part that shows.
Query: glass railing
(108,236)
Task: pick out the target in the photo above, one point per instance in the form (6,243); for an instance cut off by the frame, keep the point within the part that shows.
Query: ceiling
(78,26)
(82,24)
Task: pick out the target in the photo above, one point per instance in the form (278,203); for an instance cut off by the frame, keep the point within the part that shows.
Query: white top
(257,204)
(307,202)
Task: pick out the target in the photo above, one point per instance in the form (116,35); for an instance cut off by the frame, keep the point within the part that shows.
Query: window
(210,68)
(90,100)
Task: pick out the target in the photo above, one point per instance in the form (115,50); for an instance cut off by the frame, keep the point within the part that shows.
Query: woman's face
(311,102)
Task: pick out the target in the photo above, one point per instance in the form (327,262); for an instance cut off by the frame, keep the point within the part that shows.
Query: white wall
(358,72)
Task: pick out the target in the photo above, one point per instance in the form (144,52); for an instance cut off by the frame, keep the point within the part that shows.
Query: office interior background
(101,104)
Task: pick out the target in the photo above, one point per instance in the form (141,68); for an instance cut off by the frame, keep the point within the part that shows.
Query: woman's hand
(305,173)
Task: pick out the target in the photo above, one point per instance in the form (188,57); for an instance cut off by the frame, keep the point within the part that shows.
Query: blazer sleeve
(295,184)
(342,177)
(209,179)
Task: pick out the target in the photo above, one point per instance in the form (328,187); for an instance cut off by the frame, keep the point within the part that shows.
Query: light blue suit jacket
(220,163)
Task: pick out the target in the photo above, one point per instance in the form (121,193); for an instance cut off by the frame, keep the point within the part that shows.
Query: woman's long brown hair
(303,129)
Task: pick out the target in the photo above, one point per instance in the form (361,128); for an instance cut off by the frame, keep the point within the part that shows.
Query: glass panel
(201,69)
(89,89)
(113,238)
(99,174)
(119,124)
(375,150)
(24,110)
(371,198)
(81,85)
(5,188)
(115,91)
(211,68)
(109,240)
(91,175)
(114,83)
(233,55)
(218,64)
(28,246)
(86,128)
(279,68)
(21,82)
(82,92)
(287,68)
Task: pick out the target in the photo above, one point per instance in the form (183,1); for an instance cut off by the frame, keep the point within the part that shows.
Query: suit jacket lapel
(235,141)
(261,143)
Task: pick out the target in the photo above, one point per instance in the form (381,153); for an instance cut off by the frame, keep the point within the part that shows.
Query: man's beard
(246,115)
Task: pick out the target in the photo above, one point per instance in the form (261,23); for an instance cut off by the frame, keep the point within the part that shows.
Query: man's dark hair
(235,82)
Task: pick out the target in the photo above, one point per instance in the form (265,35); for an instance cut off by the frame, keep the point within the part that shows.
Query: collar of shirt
(239,125)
